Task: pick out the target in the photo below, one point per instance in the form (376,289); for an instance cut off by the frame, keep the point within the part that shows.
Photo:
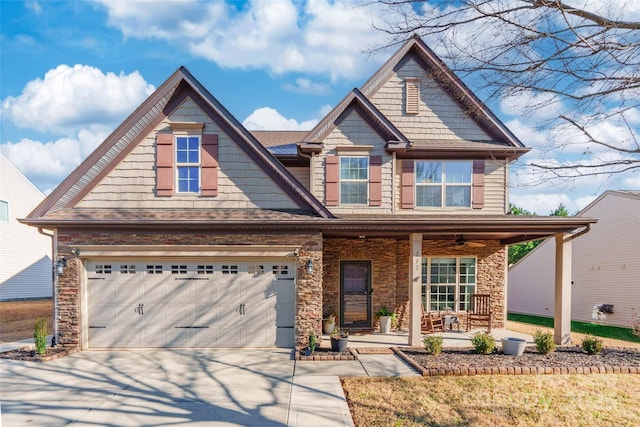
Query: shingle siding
(439,116)
(241,183)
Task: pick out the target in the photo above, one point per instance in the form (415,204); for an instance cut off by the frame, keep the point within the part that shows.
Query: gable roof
(143,120)
(504,141)
(356,100)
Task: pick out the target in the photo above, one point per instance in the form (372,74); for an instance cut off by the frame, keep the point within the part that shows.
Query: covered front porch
(397,264)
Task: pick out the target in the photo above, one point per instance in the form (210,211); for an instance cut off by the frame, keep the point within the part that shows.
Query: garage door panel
(191,304)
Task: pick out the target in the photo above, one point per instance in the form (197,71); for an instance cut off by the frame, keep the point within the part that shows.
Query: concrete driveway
(157,387)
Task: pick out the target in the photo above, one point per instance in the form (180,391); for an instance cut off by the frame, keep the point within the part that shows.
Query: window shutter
(375,180)
(412,89)
(407,185)
(164,165)
(209,153)
(332,184)
(477,196)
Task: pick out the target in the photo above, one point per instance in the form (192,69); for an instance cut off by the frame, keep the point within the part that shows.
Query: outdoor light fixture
(61,264)
(310,267)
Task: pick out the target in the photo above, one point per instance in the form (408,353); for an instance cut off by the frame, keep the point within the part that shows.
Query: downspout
(54,279)
(578,234)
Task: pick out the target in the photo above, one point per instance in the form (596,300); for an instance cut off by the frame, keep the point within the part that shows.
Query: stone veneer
(308,287)
(390,272)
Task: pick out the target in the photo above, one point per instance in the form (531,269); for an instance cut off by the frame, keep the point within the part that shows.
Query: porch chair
(480,311)
(431,322)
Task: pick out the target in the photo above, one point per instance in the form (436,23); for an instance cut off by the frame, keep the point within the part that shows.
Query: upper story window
(354,180)
(188,163)
(443,183)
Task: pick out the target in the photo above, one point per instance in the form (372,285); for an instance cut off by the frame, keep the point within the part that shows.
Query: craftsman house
(184,229)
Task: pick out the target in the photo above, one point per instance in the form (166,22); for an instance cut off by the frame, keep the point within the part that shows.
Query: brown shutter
(477,195)
(412,92)
(332,181)
(164,165)
(407,185)
(209,152)
(375,180)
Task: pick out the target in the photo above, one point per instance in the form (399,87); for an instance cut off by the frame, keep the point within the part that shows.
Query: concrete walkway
(194,387)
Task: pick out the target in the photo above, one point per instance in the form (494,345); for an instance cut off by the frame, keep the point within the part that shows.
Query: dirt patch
(564,360)
(17,318)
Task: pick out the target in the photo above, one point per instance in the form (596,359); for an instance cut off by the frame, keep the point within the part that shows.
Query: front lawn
(531,400)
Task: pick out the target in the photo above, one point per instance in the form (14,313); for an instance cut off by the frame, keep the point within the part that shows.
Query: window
(4,211)
(354,180)
(188,163)
(448,283)
(445,183)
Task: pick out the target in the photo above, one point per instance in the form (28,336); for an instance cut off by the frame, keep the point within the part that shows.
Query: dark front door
(355,290)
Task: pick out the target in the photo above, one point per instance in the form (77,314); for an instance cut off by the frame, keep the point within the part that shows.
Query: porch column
(415,284)
(562,313)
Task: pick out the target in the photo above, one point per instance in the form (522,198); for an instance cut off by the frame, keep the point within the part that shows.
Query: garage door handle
(240,310)
(140,309)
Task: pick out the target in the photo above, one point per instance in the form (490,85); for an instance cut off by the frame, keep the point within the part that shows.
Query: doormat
(374,350)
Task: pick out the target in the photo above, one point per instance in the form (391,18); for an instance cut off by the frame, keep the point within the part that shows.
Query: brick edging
(353,355)
(516,370)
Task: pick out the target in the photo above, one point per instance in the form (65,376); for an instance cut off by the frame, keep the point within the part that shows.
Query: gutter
(586,229)
(54,279)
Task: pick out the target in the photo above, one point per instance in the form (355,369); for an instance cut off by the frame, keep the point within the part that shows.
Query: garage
(199,303)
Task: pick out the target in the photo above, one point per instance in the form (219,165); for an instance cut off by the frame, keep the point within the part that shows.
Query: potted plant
(387,318)
(339,340)
(329,322)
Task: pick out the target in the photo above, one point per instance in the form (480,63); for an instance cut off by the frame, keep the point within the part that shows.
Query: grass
(606,331)
(18,318)
(533,400)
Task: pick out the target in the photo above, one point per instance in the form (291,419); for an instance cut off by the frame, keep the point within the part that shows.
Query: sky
(71,72)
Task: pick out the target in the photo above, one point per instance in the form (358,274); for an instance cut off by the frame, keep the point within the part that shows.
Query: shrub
(483,343)
(591,344)
(544,342)
(312,342)
(40,335)
(433,344)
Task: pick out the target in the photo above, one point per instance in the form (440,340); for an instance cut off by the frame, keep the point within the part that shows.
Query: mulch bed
(30,355)
(565,360)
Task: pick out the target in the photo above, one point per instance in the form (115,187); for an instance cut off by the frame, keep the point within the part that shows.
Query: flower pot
(328,325)
(385,324)
(513,346)
(339,344)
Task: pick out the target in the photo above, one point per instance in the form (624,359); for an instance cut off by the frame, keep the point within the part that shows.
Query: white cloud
(317,36)
(48,163)
(266,118)
(543,203)
(306,86)
(536,106)
(69,98)
(33,6)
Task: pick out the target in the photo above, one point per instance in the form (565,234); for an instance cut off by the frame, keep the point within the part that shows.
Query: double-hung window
(354,180)
(443,183)
(188,164)
(448,283)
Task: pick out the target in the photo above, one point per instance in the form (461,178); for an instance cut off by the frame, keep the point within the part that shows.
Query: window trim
(425,294)
(4,211)
(358,180)
(443,184)
(178,165)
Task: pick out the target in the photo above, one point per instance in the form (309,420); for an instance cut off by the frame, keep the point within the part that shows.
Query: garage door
(191,304)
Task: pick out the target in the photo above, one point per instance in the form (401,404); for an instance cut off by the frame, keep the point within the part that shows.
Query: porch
(400,338)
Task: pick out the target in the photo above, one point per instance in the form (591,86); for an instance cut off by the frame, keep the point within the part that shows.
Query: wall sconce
(310,267)
(61,264)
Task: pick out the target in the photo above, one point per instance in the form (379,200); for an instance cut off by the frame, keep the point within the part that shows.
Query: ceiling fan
(462,242)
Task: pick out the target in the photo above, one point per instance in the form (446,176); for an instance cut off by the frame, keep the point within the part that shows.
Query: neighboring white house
(605,267)
(25,254)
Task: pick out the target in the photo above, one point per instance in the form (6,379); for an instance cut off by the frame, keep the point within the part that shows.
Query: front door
(355,290)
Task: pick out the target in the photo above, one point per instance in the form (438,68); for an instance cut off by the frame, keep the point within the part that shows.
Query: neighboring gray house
(25,254)
(605,265)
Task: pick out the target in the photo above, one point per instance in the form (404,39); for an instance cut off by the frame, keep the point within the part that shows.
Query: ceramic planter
(385,324)
(513,346)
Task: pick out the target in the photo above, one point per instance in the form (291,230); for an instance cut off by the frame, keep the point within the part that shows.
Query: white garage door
(191,304)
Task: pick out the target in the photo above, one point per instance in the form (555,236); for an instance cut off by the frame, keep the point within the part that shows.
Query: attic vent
(412,91)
